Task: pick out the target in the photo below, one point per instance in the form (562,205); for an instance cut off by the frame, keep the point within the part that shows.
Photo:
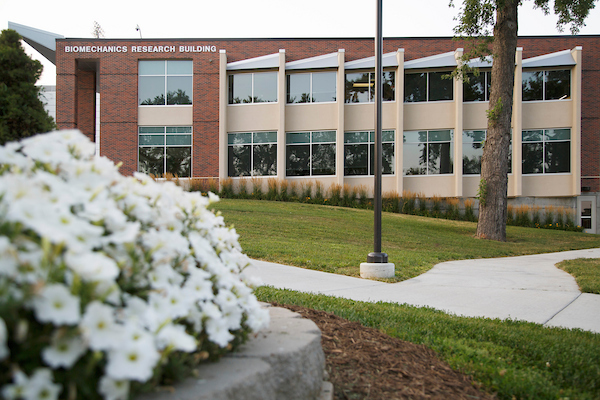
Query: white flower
(258,319)
(92,266)
(176,337)
(217,332)
(132,360)
(57,305)
(113,389)
(41,386)
(99,326)
(64,351)
(4,352)
(17,389)
(199,286)
(8,258)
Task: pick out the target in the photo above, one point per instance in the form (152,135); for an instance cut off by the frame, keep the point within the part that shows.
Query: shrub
(257,190)
(390,202)
(469,212)
(363,195)
(319,198)
(227,188)
(436,208)
(293,195)
(452,211)
(422,200)
(283,191)
(106,281)
(408,202)
(243,188)
(335,191)
(273,189)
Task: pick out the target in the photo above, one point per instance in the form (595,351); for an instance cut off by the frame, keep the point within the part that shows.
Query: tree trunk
(494,163)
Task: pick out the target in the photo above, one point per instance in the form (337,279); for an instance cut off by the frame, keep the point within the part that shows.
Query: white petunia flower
(41,386)
(99,326)
(8,258)
(92,266)
(4,351)
(199,286)
(113,389)
(176,337)
(64,351)
(57,305)
(258,319)
(16,390)
(132,360)
(217,332)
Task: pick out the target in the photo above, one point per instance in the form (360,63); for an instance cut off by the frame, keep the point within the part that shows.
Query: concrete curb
(285,361)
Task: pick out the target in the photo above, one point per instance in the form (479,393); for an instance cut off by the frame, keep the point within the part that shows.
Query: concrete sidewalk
(528,288)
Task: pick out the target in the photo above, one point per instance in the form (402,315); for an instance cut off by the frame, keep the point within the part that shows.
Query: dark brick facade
(118,79)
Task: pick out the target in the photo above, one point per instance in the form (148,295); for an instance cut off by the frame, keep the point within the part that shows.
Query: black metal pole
(377,256)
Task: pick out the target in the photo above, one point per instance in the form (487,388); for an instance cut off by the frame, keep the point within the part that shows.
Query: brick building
(302,109)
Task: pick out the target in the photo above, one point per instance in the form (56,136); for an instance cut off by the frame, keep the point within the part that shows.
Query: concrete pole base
(377,270)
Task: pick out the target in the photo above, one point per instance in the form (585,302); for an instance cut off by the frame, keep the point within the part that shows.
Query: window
(546,85)
(428,152)
(164,150)
(260,87)
(472,151)
(478,87)
(311,87)
(310,153)
(546,151)
(359,153)
(360,87)
(252,153)
(428,86)
(165,82)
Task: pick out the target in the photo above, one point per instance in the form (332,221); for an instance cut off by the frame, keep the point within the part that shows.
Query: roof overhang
(44,42)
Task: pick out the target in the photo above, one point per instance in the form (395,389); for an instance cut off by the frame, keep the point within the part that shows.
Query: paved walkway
(528,288)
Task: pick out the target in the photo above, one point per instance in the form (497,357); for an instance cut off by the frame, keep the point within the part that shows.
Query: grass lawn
(516,360)
(512,359)
(586,272)
(338,239)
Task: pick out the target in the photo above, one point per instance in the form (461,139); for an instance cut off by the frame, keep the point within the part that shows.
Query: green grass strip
(513,359)
(338,239)
(586,272)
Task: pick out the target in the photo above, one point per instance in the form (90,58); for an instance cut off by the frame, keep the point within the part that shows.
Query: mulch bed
(364,363)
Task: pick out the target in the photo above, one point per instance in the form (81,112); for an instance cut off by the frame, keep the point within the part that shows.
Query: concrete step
(285,361)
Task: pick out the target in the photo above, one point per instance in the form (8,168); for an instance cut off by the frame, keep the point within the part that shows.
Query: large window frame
(436,148)
(359,153)
(165,149)
(428,86)
(310,153)
(472,142)
(252,154)
(546,151)
(165,82)
(545,85)
(477,87)
(253,87)
(311,87)
(360,87)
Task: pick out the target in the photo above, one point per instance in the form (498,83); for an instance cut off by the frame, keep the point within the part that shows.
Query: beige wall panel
(388,183)
(474,116)
(550,185)
(434,115)
(471,185)
(359,117)
(167,115)
(547,114)
(309,117)
(253,117)
(430,185)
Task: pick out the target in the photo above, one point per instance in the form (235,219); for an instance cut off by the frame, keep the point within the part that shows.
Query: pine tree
(22,113)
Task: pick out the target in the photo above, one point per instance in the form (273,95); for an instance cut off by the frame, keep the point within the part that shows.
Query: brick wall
(118,86)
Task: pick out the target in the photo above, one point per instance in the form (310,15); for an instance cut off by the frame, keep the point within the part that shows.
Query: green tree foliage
(490,29)
(22,113)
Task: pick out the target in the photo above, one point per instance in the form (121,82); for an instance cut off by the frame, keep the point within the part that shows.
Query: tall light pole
(377,265)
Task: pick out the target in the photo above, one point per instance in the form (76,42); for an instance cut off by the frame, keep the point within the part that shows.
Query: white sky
(252,18)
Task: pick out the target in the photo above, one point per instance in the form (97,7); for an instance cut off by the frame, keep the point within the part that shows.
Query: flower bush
(109,284)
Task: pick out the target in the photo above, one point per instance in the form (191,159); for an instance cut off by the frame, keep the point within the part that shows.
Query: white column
(341,100)
(576,124)
(517,126)
(458,127)
(399,144)
(223,101)
(281,100)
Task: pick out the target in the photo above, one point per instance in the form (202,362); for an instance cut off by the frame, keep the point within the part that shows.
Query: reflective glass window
(252,154)
(546,151)
(428,152)
(310,153)
(428,86)
(359,153)
(360,87)
(477,88)
(165,82)
(259,87)
(164,150)
(546,85)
